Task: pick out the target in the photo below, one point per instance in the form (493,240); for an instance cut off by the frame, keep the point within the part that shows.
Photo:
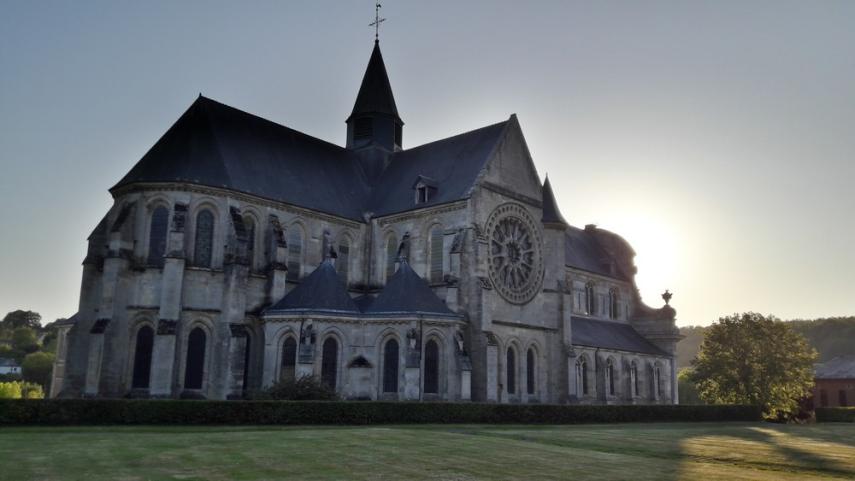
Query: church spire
(551,214)
(374,120)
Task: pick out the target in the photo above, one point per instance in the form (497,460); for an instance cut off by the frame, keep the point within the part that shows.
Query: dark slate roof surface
(219,146)
(610,335)
(583,252)
(453,163)
(406,292)
(320,291)
(375,92)
(841,367)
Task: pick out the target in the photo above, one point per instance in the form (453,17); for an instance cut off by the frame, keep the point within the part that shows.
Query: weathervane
(376,22)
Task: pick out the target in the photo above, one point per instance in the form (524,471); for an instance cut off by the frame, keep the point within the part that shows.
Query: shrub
(135,411)
(20,390)
(835,415)
(305,388)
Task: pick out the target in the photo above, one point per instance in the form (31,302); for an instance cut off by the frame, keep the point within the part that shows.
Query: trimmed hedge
(130,411)
(835,415)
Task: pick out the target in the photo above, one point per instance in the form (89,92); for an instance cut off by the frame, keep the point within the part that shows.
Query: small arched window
(511,369)
(582,377)
(249,225)
(530,370)
(614,303)
(431,367)
(289,360)
(295,252)
(157,236)
(391,254)
(435,254)
(590,301)
(195,368)
(610,377)
(329,362)
(633,378)
(204,244)
(342,263)
(142,358)
(390,366)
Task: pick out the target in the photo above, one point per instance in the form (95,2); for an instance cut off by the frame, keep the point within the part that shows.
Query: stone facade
(181,276)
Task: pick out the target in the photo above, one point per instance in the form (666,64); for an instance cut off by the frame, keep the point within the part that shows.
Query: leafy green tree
(38,367)
(21,318)
(24,339)
(687,388)
(752,359)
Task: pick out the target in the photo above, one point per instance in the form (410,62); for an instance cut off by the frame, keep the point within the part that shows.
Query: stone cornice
(524,326)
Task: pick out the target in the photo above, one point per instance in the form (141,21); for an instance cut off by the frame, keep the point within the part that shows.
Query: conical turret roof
(551,214)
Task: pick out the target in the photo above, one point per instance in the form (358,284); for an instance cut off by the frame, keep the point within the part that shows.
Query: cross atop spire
(377,21)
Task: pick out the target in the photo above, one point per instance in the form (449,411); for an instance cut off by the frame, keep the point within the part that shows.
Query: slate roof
(407,293)
(452,163)
(582,251)
(841,367)
(375,92)
(551,213)
(216,145)
(610,335)
(321,291)
(6,362)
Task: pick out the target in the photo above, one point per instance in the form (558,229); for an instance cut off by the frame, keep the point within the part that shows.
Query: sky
(717,137)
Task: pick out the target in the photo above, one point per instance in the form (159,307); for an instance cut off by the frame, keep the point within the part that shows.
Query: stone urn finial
(666,296)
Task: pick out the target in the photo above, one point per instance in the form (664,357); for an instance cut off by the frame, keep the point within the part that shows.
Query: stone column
(237,360)
(96,354)
(277,259)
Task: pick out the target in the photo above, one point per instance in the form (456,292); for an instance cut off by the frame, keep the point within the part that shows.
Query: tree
(21,318)
(687,389)
(24,339)
(751,359)
(38,367)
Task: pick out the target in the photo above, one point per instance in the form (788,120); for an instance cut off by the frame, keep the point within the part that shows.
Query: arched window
(590,302)
(195,368)
(329,362)
(633,378)
(157,236)
(203,250)
(614,305)
(390,366)
(142,358)
(295,252)
(289,360)
(582,377)
(246,364)
(342,264)
(656,388)
(391,254)
(249,225)
(511,366)
(530,381)
(435,254)
(431,367)
(610,377)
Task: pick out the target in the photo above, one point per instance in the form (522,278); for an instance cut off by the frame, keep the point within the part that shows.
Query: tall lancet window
(195,367)
(203,247)
(614,303)
(157,236)
(289,359)
(142,358)
(390,366)
(511,371)
(590,301)
(436,254)
(249,224)
(295,252)
(342,263)
(391,254)
(431,367)
(329,363)
(531,371)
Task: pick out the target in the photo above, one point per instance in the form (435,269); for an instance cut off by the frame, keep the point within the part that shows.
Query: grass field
(450,452)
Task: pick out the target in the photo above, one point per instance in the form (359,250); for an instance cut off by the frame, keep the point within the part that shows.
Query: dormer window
(425,188)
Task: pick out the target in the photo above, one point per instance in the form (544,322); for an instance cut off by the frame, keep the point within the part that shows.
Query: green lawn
(451,452)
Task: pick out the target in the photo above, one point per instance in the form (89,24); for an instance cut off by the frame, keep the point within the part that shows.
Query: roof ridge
(468,132)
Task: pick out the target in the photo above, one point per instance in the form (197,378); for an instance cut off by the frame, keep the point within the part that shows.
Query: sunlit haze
(717,137)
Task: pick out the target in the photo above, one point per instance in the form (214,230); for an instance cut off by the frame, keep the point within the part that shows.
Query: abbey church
(239,252)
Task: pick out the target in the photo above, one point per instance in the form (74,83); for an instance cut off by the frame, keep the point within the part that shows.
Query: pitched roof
(452,163)
(216,145)
(841,367)
(407,293)
(375,93)
(610,335)
(321,291)
(582,251)
(551,213)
